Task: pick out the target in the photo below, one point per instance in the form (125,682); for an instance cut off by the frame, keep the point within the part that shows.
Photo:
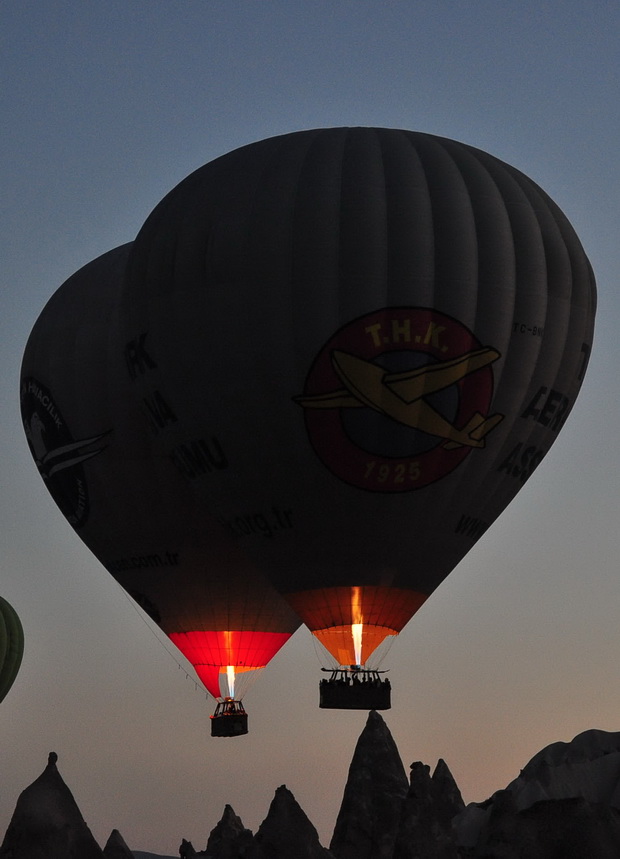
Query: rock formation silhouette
(376,787)
(565,804)
(116,848)
(47,823)
(229,838)
(286,831)
(425,824)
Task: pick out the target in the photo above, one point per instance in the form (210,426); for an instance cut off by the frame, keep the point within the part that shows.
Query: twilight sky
(107,106)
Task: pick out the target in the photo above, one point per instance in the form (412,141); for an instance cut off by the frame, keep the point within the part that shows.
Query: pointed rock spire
(446,793)
(421,832)
(367,823)
(229,839)
(116,848)
(186,850)
(47,823)
(286,832)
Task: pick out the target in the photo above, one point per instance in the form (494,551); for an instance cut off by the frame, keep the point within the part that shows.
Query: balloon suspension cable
(154,630)
(321,653)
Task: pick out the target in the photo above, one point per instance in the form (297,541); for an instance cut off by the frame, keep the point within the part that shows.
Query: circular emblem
(397,399)
(59,457)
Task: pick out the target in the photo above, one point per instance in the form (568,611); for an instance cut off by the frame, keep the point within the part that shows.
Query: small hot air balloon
(11,646)
(132,510)
(369,338)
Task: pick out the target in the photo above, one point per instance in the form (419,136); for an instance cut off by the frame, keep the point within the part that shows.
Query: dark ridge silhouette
(565,804)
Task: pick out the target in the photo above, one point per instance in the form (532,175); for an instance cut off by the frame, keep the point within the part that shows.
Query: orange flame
(230,673)
(357,627)
(356,605)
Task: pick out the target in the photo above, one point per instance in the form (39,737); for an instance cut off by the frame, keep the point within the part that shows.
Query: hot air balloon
(11,646)
(133,511)
(369,338)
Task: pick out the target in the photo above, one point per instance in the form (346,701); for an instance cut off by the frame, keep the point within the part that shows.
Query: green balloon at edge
(11,646)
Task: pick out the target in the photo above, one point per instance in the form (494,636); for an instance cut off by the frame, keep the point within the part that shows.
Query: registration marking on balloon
(398,398)
(59,457)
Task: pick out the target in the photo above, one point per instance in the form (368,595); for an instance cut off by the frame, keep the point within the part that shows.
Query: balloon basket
(355,689)
(229,719)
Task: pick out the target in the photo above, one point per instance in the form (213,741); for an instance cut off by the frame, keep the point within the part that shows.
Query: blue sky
(109,105)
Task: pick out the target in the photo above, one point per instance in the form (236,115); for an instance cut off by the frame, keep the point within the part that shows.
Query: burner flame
(357,630)
(230,674)
(357,626)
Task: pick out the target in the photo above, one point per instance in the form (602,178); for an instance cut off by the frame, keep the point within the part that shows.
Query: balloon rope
(154,630)
(322,653)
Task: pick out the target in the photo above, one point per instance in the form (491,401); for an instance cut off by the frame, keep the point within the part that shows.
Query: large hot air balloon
(133,510)
(369,338)
(11,646)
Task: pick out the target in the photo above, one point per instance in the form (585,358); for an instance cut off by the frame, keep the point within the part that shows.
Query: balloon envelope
(131,509)
(369,339)
(11,646)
